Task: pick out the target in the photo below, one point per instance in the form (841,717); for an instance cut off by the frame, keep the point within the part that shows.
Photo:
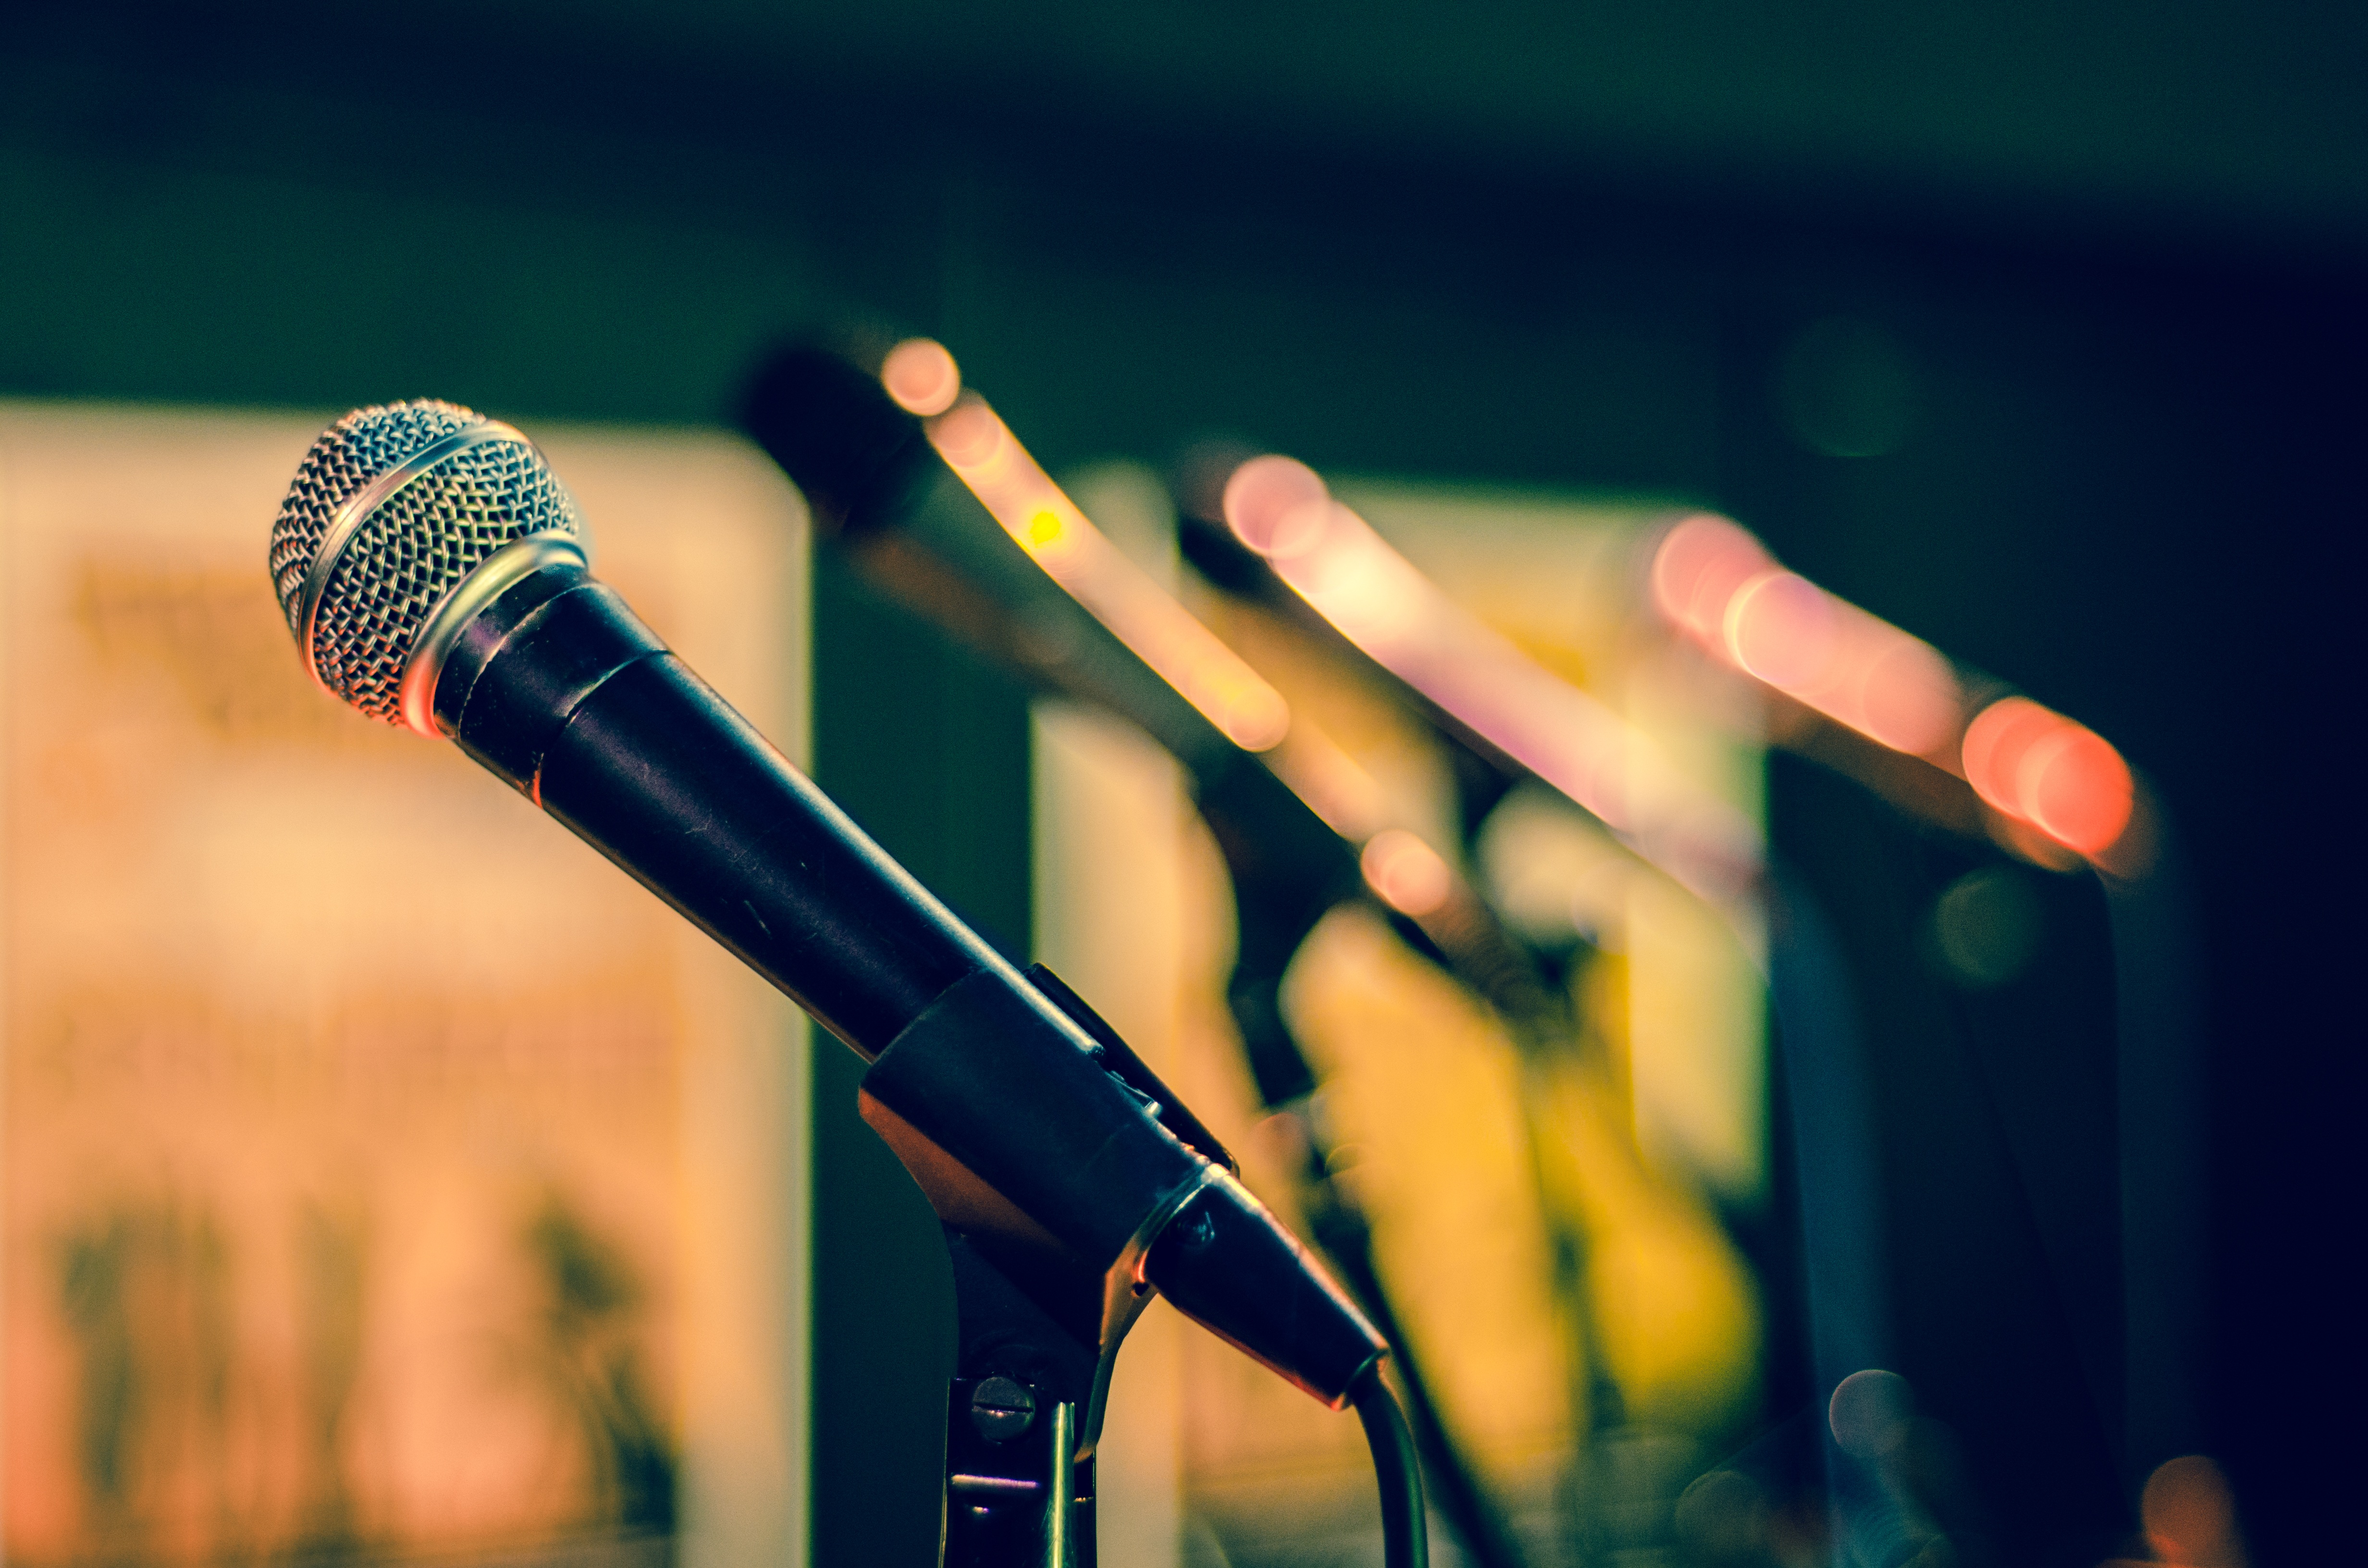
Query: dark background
(2095,282)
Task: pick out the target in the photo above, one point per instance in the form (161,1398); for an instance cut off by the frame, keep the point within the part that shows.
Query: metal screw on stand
(1001,1409)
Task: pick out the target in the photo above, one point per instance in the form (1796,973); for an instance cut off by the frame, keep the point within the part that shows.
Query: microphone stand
(912,527)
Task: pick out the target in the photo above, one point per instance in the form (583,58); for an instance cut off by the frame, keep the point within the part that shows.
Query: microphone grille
(362,553)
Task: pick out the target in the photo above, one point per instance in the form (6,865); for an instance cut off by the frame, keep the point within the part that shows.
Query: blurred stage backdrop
(388,1179)
(384,1175)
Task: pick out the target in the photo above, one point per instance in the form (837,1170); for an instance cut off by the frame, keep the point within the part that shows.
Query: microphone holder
(1022,1413)
(1038,1328)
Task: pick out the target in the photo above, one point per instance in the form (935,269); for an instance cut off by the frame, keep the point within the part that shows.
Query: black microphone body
(561,690)
(1017,1120)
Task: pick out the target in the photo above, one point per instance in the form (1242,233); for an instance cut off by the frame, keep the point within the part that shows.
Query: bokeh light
(1370,593)
(1870,1412)
(1716,583)
(1779,627)
(1985,926)
(1406,873)
(983,452)
(968,435)
(1278,505)
(1700,564)
(921,376)
(2189,1515)
(2037,766)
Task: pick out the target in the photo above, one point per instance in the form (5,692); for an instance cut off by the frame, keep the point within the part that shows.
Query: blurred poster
(387,1175)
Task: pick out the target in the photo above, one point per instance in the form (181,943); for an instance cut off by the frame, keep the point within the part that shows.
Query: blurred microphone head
(1196,475)
(1277,506)
(378,550)
(819,410)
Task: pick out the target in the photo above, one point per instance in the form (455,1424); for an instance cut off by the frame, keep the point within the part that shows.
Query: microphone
(1266,529)
(1283,803)
(1027,580)
(435,575)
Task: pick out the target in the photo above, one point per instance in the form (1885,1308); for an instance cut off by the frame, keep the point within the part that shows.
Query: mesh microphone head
(390,510)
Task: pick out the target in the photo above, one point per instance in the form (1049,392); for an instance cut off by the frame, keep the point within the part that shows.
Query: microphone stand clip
(1038,1326)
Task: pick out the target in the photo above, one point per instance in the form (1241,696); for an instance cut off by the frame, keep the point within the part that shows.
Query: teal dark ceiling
(2211,116)
(2211,120)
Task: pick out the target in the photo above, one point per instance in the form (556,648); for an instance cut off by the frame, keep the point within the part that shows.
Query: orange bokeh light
(1715,581)
(921,376)
(2038,767)
(2190,1518)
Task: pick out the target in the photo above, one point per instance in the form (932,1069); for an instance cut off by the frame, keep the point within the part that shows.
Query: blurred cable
(1406,1541)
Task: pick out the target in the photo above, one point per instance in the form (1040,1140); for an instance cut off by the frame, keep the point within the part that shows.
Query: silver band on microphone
(514,561)
(369,499)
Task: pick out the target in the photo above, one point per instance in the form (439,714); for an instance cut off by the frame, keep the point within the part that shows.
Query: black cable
(1339,1228)
(1405,1540)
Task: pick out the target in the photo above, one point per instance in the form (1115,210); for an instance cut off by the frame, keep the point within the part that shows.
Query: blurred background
(2036,334)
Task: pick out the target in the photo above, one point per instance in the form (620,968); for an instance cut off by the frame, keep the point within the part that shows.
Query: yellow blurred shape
(1695,1019)
(1423,1084)
(1422,1089)
(1422,1097)
(1675,1312)
(1681,1013)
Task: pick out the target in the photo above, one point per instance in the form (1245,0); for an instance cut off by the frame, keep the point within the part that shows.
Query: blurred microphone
(1266,529)
(434,574)
(955,518)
